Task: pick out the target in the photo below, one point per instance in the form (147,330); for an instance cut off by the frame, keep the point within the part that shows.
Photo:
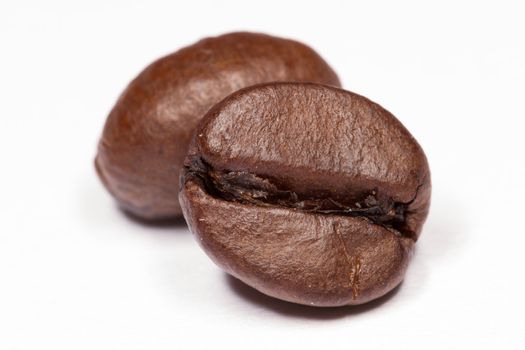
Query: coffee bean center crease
(250,188)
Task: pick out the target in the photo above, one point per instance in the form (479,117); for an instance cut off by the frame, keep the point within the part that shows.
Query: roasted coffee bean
(308,193)
(147,133)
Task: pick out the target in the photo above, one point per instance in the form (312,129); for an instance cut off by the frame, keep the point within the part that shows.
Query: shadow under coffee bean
(308,193)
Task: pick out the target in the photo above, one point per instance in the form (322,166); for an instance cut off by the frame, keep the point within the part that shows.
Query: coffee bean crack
(249,188)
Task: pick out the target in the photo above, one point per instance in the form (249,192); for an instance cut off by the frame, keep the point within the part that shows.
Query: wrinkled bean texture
(147,133)
(308,193)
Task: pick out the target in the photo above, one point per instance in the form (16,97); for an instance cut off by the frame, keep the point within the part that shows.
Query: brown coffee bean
(146,135)
(308,193)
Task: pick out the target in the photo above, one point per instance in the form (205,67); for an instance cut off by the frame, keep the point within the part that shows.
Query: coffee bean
(308,193)
(146,135)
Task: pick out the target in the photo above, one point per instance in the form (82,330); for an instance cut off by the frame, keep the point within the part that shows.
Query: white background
(75,273)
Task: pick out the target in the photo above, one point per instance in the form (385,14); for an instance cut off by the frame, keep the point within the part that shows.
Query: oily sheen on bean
(147,133)
(308,193)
